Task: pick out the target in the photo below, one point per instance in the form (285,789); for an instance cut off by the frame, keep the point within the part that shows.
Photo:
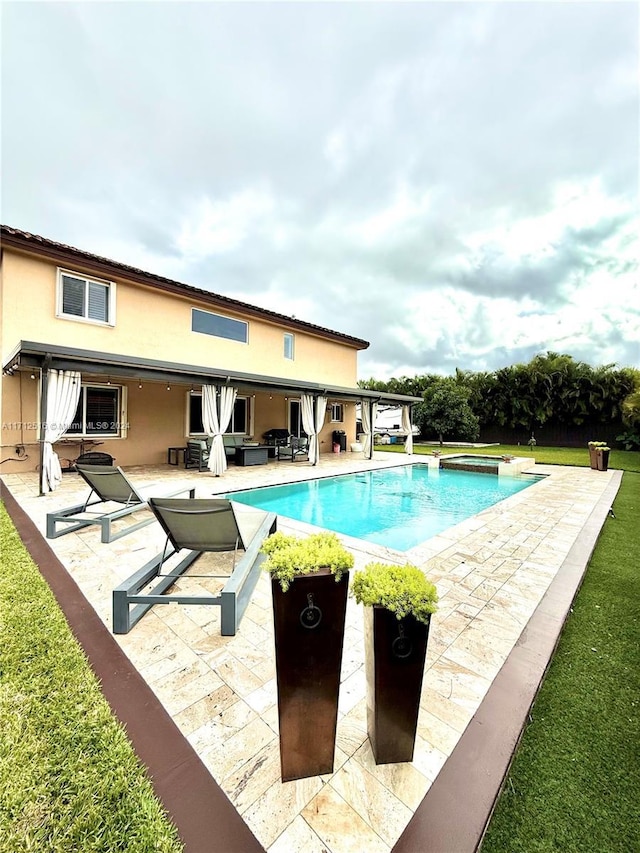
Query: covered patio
(142,411)
(506,580)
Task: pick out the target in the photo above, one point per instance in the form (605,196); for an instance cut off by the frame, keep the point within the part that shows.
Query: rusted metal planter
(603,460)
(309,623)
(395,652)
(593,458)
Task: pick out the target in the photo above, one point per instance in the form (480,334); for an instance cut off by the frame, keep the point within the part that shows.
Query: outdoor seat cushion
(230,444)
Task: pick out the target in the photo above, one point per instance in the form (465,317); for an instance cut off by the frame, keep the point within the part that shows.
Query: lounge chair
(211,524)
(298,448)
(110,485)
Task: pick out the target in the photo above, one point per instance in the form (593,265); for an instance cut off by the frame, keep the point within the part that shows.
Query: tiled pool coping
(478,761)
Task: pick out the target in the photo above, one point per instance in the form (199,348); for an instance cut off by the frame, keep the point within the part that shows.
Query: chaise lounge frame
(233,598)
(109,484)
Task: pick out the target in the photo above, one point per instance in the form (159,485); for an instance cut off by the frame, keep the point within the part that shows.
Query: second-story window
(84,298)
(289,342)
(208,323)
(337,413)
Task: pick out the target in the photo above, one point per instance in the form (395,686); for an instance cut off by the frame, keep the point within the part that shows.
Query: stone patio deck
(492,573)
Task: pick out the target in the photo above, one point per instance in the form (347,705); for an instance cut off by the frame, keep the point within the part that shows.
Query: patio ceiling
(29,355)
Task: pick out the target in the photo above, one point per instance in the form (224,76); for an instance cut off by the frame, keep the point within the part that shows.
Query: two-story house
(136,350)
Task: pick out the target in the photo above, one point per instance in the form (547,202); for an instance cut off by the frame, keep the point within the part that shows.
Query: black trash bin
(340,438)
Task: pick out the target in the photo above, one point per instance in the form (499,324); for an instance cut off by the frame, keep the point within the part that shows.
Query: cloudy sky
(457,183)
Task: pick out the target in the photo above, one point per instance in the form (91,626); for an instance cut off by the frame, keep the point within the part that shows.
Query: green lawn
(575,782)
(70,780)
(626,460)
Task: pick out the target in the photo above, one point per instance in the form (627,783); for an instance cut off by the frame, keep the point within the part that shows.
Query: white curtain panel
(366,426)
(369,412)
(221,420)
(407,429)
(308,423)
(311,425)
(321,411)
(209,410)
(63,393)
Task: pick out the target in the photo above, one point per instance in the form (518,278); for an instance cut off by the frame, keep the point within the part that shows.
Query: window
(83,298)
(194,402)
(337,413)
(239,419)
(295,419)
(289,340)
(220,327)
(99,412)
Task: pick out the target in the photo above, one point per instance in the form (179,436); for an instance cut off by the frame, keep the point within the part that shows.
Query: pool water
(395,507)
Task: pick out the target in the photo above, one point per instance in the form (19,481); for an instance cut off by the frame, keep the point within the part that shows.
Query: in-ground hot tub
(481,464)
(503,466)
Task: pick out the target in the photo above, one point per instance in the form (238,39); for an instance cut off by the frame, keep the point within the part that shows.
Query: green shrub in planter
(290,556)
(399,602)
(404,590)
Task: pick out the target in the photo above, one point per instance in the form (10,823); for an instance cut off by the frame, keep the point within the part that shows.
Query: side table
(173,455)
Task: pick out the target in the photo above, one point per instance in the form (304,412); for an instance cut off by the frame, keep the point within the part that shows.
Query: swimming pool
(395,507)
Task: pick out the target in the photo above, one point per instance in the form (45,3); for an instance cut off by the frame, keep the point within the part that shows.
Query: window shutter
(72,296)
(98,302)
(103,411)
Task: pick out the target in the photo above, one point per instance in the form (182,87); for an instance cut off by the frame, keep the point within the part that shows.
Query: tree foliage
(631,403)
(446,412)
(553,388)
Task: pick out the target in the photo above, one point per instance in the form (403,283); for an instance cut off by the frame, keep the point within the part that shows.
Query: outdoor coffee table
(250,455)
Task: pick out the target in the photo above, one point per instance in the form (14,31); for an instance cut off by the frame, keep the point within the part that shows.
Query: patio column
(44,376)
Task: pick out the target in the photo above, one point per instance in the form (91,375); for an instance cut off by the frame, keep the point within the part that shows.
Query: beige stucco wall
(156,325)
(157,419)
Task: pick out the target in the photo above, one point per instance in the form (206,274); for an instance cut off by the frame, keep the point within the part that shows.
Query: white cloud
(457,183)
(212,227)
